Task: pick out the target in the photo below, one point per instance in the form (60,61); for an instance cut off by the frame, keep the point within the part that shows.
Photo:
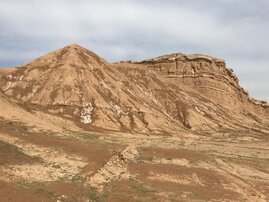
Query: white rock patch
(7,86)
(86,112)
(30,95)
(118,110)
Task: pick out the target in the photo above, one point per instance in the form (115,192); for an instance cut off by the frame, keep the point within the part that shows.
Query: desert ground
(85,166)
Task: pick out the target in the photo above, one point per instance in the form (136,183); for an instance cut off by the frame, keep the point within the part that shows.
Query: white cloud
(119,30)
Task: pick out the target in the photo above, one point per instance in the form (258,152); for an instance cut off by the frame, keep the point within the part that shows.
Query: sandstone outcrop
(208,75)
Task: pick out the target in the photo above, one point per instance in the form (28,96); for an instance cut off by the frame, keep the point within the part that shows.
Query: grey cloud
(236,30)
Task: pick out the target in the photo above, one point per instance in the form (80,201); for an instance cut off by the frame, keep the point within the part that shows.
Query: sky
(234,30)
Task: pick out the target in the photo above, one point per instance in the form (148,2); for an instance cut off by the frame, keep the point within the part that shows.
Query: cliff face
(162,95)
(209,76)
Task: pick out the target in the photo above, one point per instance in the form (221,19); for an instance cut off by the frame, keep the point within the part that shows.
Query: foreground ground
(86,166)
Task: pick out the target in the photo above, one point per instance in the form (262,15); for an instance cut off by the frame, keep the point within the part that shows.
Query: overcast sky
(235,30)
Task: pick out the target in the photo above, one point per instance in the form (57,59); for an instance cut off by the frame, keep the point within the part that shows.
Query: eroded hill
(161,95)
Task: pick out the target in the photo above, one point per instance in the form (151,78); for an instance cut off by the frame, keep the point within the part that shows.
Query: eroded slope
(162,95)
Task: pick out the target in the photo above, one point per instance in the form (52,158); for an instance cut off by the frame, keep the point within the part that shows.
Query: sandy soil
(85,166)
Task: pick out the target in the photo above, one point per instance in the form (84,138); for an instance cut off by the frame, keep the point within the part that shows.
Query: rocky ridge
(199,71)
